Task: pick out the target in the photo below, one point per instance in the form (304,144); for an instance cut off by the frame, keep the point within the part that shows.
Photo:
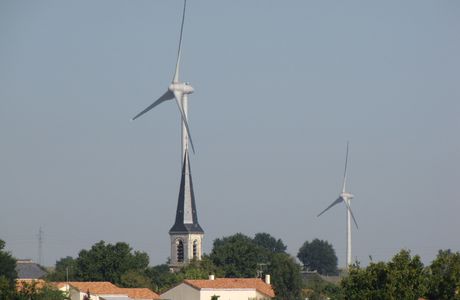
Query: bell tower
(186,234)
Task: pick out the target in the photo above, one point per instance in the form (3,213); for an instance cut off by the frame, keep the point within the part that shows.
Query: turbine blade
(340,199)
(345,172)
(351,212)
(178,97)
(166,96)
(176,73)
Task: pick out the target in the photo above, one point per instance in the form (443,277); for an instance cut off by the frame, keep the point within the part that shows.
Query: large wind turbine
(345,197)
(179,91)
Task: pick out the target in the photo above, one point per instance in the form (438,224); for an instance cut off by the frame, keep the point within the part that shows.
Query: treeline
(233,256)
(238,255)
(405,277)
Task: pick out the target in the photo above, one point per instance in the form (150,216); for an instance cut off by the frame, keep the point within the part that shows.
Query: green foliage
(32,291)
(135,279)
(369,283)
(318,255)
(162,278)
(63,266)
(332,291)
(268,242)
(404,277)
(7,264)
(316,288)
(104,262)
(285,274)
(444,278)
(201,269)
(7,273)
(238,255)
(107,262)
(408,277)
(7,291)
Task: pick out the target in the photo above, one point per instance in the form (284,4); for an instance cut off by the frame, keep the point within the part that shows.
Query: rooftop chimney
(267,279)
(211,277)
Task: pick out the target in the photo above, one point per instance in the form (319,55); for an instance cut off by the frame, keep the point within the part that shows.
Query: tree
(404,277)
(201,269)
(8,273)
(7,292)
(285,274)
(366,284)
(65,266)
(162,278)
(35,291)
(407,276)
(238,255)
(318,255)
(316,288)
(108,262)
(135,279)
(444,278)
(268,242)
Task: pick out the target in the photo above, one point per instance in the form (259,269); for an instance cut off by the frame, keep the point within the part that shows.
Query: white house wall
(231,294)
(186,292)
(182,292)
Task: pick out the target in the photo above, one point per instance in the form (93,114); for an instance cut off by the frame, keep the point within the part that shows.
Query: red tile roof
(107,288)
(140,293)
(102,287)
(233,283)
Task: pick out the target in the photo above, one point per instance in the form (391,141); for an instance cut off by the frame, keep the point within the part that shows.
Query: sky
(280,87)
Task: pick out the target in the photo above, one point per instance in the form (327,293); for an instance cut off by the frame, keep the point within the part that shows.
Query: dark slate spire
(186,215)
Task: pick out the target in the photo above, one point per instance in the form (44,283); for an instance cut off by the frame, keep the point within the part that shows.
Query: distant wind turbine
(345,197)
(179,91)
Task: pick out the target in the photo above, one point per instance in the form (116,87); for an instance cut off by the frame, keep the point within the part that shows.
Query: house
(104,291)
(28,270)
(29,274)
(224,288)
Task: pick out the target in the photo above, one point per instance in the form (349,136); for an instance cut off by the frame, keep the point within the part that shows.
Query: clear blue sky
(280,87)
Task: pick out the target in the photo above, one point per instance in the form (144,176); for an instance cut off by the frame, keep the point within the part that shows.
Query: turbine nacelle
(178,91)
(347,196)
(183,88)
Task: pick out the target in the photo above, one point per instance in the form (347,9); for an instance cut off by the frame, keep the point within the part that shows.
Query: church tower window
(195,249)
(180,251)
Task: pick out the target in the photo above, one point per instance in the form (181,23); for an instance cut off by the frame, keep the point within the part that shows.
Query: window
(180,250)
(195,249)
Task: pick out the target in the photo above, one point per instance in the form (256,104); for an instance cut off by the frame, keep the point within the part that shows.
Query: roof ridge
(237,283)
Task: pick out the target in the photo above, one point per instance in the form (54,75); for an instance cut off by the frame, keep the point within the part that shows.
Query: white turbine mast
(179,91)
(345,197)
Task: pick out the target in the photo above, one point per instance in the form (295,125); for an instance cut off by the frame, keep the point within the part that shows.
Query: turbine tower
(345,197)
(186,234)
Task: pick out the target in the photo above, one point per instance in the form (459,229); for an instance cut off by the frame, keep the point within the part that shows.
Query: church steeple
(186,233)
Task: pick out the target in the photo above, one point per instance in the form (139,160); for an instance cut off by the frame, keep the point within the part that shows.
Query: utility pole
(40,246)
